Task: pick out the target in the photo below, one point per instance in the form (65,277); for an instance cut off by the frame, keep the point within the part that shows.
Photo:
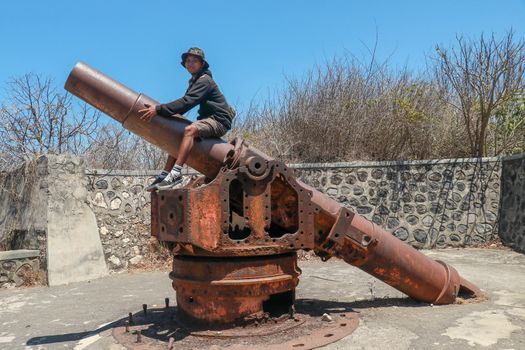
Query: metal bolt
(145,309)
(139,336)
(167,302)
(127,327)
(291,311)
(130,318)
(326,318)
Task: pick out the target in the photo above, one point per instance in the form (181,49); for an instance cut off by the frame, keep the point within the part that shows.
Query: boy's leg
(202,128)
(170,162)
(190,133)
(175,176)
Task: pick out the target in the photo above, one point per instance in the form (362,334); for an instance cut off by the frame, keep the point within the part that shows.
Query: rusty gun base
(236,238)
(250,210)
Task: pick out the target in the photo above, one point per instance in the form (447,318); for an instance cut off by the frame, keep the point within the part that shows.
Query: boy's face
(193,64)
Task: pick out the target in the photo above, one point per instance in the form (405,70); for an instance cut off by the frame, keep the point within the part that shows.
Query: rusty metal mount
(239,290)
(275,213)
(346,241)
(162,328)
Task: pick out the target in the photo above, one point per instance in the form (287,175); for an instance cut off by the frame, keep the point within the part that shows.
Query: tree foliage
(482,77)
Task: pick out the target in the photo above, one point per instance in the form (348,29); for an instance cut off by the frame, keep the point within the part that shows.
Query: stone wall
(512,213)
(43,205)
(22,223)
(122,208)
(427,204)
(18,267)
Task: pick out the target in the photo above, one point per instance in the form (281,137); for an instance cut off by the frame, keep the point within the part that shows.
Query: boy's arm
(193,97)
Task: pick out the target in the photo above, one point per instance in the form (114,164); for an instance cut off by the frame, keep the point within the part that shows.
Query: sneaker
(170,182)
(153,186)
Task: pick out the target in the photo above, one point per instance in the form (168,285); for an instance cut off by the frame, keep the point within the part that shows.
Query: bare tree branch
(481,76)
(37,119)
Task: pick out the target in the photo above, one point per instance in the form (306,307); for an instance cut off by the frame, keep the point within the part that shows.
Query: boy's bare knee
(191,130)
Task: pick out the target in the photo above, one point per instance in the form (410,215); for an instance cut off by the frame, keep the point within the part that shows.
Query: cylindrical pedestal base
(234,289)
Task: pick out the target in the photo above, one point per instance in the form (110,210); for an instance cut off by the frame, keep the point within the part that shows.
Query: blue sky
(251,45)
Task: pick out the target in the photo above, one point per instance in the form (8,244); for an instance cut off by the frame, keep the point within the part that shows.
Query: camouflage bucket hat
(194,51)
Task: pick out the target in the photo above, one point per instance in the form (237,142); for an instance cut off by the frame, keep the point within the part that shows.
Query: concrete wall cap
(514,157)
(374,164)
(354,164)
(121,172)
(19,254)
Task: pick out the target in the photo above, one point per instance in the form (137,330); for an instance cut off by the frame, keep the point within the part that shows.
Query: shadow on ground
(158,319)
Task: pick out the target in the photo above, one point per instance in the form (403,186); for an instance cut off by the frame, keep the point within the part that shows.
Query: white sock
(175,172)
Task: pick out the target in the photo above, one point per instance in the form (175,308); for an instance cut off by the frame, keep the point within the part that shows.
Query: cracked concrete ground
(79,316)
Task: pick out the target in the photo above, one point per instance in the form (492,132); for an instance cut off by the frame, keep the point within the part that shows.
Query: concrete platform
(79,316)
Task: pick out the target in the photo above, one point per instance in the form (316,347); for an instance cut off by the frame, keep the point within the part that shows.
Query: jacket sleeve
(195,94)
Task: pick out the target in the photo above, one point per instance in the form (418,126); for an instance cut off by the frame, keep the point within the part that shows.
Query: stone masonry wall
(43,207)
(21,221)
(17,266)
(23,209)
(512,217)
(424,203)
(427,204)
(122,208)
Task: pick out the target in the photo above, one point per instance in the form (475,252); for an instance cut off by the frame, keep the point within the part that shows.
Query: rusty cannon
(235,231)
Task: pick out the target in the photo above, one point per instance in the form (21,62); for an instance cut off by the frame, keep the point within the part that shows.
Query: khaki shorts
(209,127)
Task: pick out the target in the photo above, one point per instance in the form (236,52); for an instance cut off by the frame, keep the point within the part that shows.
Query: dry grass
(479,299)
(32,278)
(369,111)
(494,243)
(159,258)
(303,255)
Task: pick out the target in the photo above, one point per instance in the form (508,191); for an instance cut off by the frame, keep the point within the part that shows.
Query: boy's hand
(148,113)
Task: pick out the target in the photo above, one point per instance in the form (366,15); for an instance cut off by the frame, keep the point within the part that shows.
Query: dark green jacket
(202,91)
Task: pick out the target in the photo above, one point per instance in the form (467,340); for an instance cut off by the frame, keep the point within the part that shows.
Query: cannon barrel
(123,104)
(378,253)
